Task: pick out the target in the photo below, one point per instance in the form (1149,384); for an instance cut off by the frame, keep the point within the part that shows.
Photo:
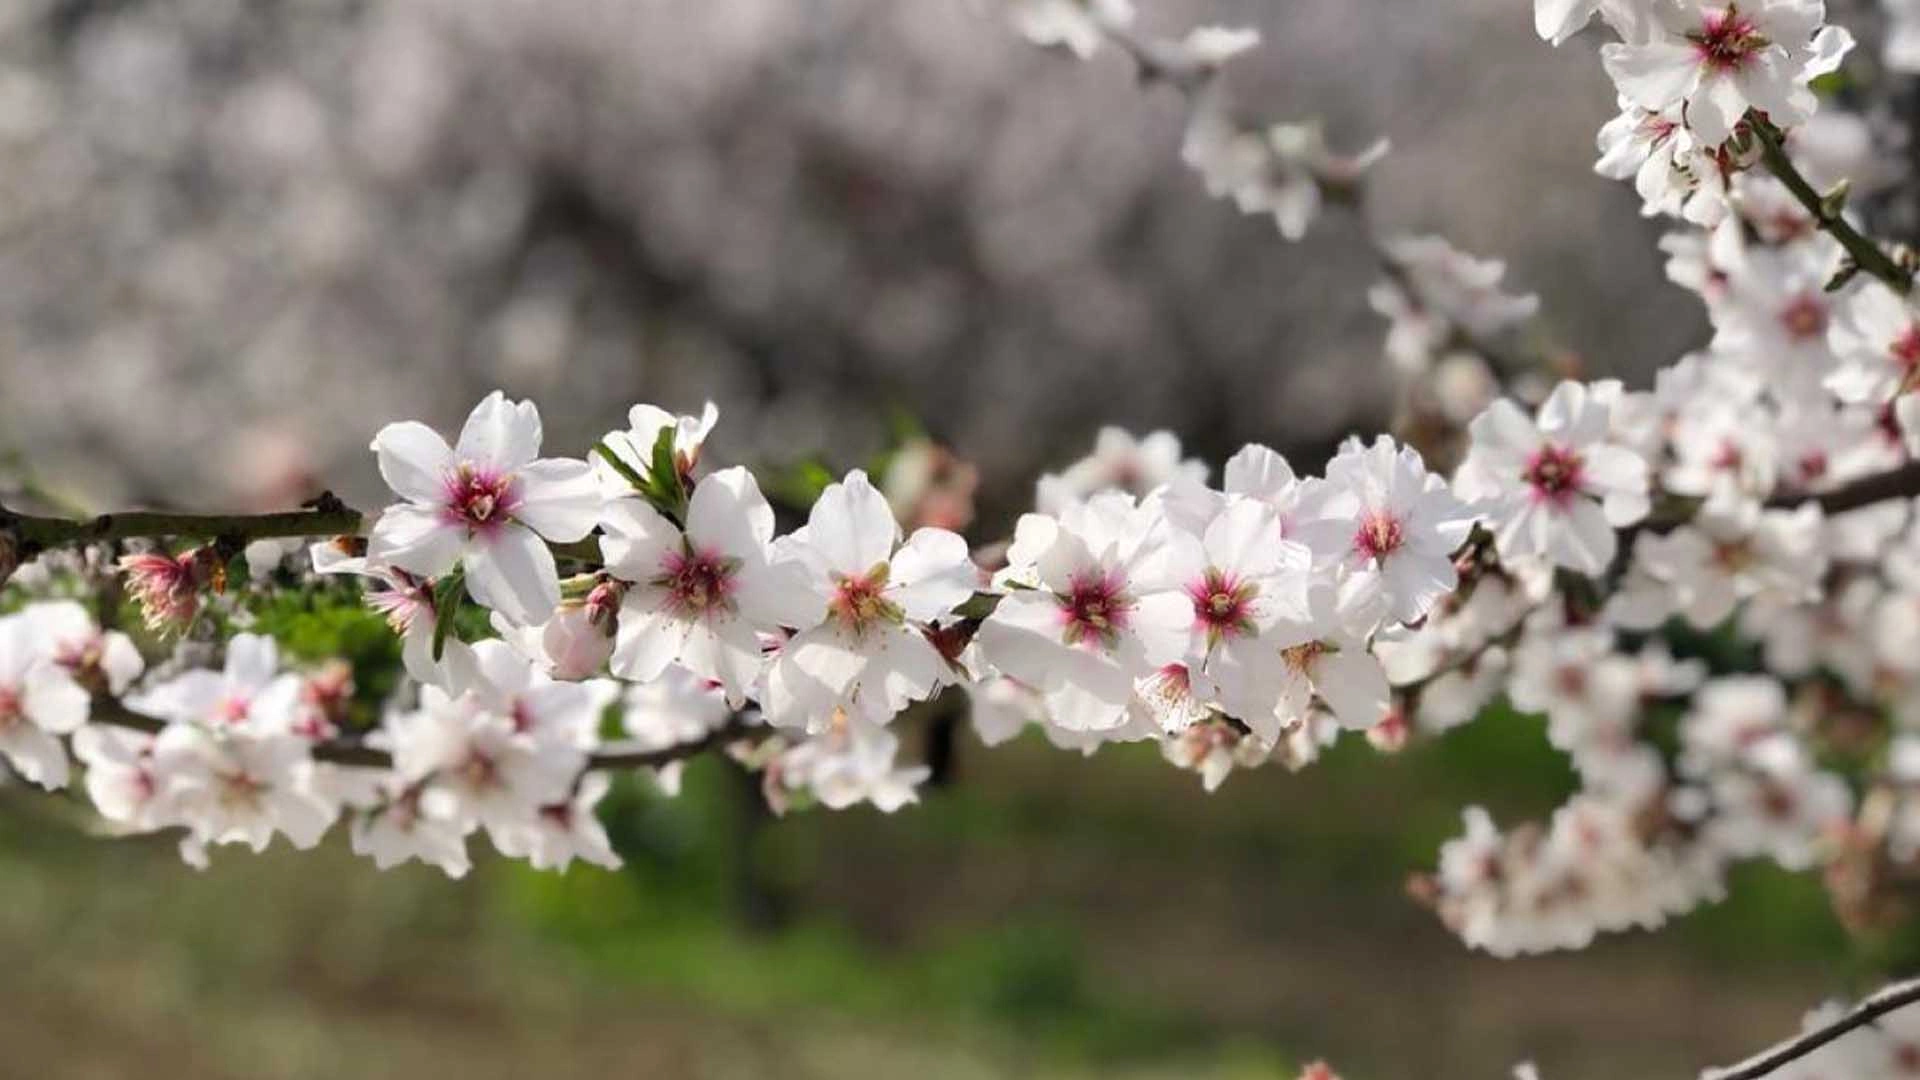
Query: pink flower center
(1727,40)
(1380,534)
(1805,318)
(1555,474)
(480,499)
(1222,605)
(12,709)
(698,582)
(1906,355)
(1813,465)
(1095,608)
(232,709)
(479,772)
(860,600)
(240,790)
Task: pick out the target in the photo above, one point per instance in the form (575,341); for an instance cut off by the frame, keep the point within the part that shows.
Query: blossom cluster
(1565,550)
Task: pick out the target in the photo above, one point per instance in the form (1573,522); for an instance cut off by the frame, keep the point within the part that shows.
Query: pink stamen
(698,582)
(1805,318)
(1727,40)
(1222,605)
(1380,535)
(1095,608)
(480,499)
(1555,473)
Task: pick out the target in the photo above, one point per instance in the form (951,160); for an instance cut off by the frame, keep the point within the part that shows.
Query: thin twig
(1866,254)
(1887,1000)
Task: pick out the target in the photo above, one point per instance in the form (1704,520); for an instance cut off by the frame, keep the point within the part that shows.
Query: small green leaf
(446,605)
(668,493)
(620,466)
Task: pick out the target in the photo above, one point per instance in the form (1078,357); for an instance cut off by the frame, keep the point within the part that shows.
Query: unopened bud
(603,604)
(575,642)
(1834,202)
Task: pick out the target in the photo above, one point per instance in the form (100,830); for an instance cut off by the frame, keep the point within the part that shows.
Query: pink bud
(575,644)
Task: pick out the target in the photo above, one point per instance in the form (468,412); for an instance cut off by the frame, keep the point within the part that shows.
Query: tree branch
(1887,1000)
(1866,254)
(324,516)
(348,750)
(1900,483)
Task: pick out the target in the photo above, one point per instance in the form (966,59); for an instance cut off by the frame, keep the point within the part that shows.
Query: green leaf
(669,496)
(620,466)
(447,595)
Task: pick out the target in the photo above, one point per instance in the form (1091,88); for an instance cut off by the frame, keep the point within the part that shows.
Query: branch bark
(355,752)
(1896,996)
(324,516)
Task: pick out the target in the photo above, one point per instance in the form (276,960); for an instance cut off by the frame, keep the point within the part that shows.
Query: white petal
(728,513)
(852,526)
(638,539)
(416,539)
(559,499)
(36,755)
(414,461)
(1653,75)
(647,642)
(512,572)
(1352,682)
(56,703)
(932,574)
(500,434)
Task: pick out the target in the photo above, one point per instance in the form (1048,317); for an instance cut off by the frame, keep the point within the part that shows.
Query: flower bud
(575,640)
(603,604)
(167,587)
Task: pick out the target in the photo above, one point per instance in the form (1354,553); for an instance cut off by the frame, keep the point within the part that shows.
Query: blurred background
(235,238)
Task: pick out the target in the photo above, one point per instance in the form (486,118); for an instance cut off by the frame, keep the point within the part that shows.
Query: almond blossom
(489,505)
(700,597)
(1400,524)
(1554,487)
(39,702)
(866,648)
(1720,59)
(1098,609)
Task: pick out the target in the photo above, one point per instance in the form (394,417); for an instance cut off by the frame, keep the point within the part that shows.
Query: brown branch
(324,516)
(1900,483)
(1896,996)
(352,750)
